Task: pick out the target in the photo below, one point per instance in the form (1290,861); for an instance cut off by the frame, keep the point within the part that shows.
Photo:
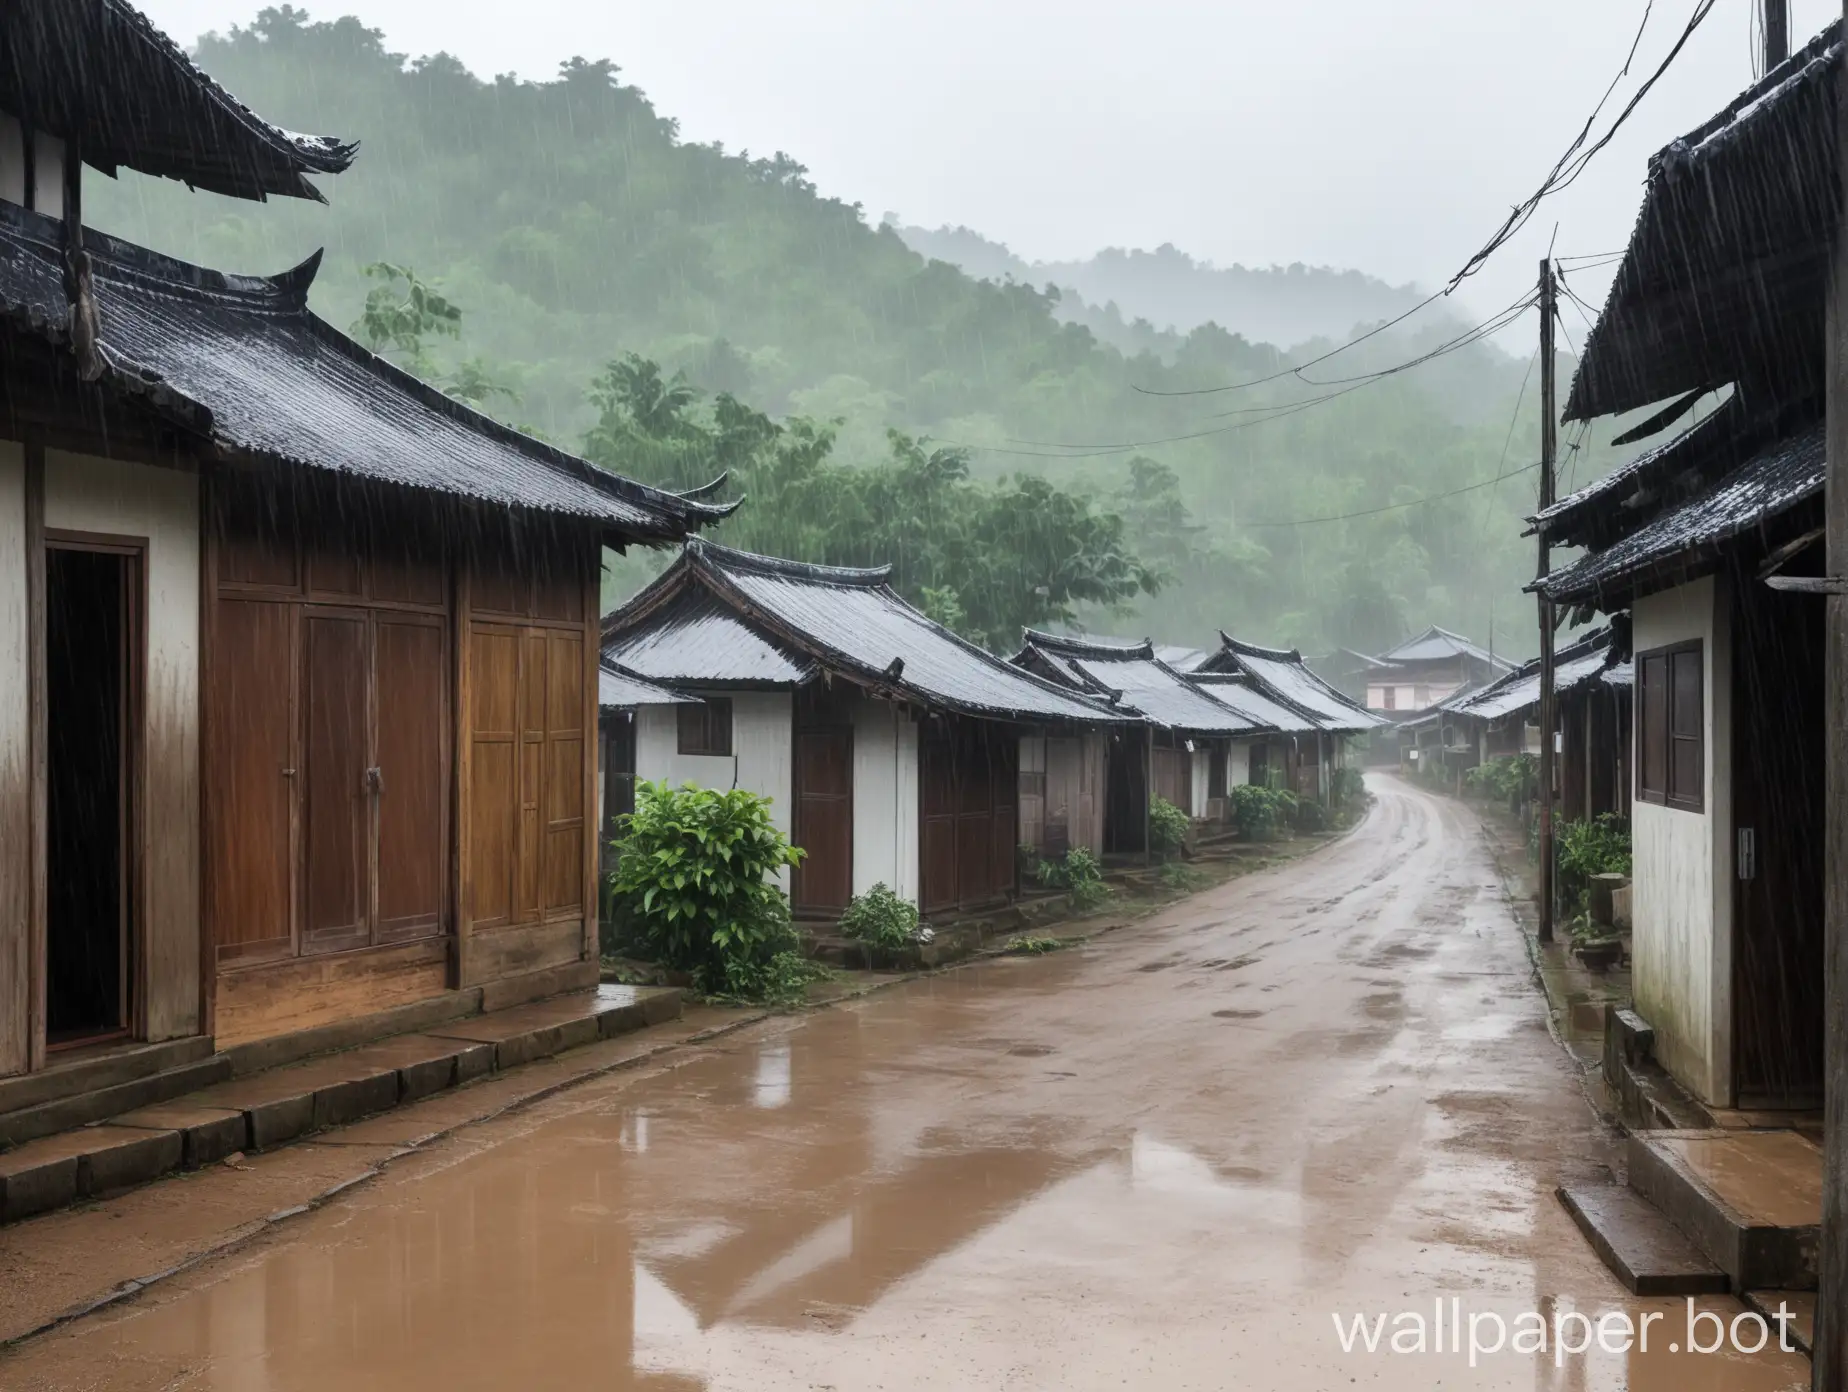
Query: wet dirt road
(1162,1161)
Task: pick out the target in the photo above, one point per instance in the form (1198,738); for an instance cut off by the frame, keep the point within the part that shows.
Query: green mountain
(571,225)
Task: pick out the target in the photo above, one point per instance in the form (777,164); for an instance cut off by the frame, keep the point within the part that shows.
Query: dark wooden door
(253,772)
(494,756)
(336,795)
(937,818)
(823,827)
(975,810)
(410,660)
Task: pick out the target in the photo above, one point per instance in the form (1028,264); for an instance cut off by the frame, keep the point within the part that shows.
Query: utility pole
(1830,1362)
(1776,17)
(1548,447)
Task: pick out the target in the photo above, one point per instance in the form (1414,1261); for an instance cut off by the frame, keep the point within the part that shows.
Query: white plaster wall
(1238,764)
(1683,899)
(48,174)
(761,759)
(15,777)
(161,507)
(1202,773)
(885,798)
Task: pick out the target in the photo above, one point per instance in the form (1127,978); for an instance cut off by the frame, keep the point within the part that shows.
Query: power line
(1394,507)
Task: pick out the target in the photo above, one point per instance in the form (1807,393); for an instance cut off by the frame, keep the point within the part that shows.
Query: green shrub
(1310,816)
(881,919)
(1505,778)
(1078,874)
(1032,947)
(1181,878)
(1167,827)
(1598,846)
(693,888)
(1347,787)
(1262,814)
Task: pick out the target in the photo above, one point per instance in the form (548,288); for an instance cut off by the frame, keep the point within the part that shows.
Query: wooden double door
(330,757)
(822,885)
(969,785)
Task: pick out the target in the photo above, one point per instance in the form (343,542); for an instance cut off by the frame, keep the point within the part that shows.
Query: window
(1391,694)
(707,727)
(1217,755)
(1671,755)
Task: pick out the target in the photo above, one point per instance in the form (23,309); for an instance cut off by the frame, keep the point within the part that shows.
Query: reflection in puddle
(773,1075)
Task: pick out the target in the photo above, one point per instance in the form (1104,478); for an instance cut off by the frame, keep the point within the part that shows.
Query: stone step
(1799,1305)
(1750,1200)
(109,1098)
(1641,1247)
(271,1108)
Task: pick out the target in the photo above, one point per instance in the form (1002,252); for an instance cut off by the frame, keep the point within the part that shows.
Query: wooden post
(1830,1362)
(1776,17)
(1148,786)
(1548,447)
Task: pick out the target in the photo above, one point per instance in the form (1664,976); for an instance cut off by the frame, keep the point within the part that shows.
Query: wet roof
(1181,659)
(1146,683)
(1285,674)
(1573,666)
(618,689)
(696,639)
(101,72)
(1234,690)
(1680,541)
(1726,273)
(242,360)
(715,603)
(1435,644)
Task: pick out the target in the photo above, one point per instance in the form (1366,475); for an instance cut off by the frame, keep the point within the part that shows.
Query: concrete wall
(161,507)
(761,759)
(15,779)
(1683,898)
(885,798)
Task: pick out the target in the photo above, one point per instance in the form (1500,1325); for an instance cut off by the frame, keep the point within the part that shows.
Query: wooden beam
(35,707)
(1830,1358)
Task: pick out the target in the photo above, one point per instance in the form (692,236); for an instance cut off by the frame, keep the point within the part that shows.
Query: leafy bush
(880,918)
(1505,778)
(1262,814)
(1311,815)
(1173,875)
(1598,846)
(1079,874)
(1167,827)
(693,887)
(1347,787)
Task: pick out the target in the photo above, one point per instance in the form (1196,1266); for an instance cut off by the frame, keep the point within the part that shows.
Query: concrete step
(1750,1200)
(1641,1247)
(273,1107)
(1799,1305)
(90,1070)
(107,1098)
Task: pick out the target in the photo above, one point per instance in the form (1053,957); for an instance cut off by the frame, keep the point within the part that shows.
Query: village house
(1282,675)
(1426,671)
(1592,718)
(1195,748)
(890,748)
(298,678)
(1724,286)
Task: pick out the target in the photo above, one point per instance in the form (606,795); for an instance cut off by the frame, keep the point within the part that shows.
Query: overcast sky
(1385,135)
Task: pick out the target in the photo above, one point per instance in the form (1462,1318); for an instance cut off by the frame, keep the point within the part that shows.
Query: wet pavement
(1166,1160)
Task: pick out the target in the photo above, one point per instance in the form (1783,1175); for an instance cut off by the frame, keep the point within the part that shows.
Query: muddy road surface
(1171,1159)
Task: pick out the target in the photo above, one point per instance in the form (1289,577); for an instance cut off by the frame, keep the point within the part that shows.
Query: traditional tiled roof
(714,604)
(1681,542)
(1573,666)
(1236,691)
(1283,673)
(244,362)
(1726,275)
(99,72)
(1435,644)
(620,689)
(1144,682)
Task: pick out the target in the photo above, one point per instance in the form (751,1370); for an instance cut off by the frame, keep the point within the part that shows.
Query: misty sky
(1384,135)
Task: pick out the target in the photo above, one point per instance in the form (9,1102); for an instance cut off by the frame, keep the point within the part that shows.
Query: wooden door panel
(410,660)
(493,718)
(566,795)
(335,811)
(251,761)
(823,821)
(529,829)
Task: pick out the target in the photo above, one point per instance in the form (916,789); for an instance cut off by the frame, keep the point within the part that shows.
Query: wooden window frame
(699,736)
(1670,794)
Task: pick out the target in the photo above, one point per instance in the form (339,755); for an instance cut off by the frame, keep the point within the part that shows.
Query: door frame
(132,1005)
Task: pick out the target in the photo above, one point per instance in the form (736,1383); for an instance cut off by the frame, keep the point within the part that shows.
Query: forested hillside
(1171,290)
(571,227)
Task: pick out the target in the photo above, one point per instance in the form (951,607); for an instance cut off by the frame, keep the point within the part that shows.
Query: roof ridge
(1259,650)
(730,558)
(1090,647)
